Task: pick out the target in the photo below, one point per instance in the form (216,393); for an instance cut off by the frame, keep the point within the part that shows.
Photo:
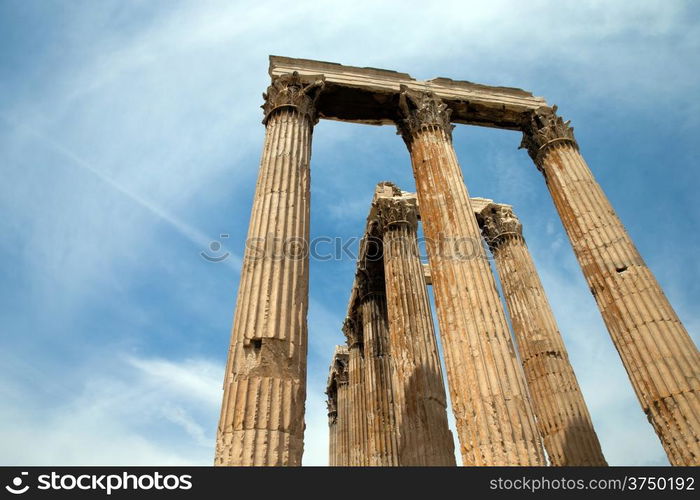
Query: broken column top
(387,189)
(368,266)
(480,204)
(370,95)
(337,371)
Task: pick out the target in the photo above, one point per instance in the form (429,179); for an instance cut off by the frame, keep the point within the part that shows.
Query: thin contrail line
(192,234)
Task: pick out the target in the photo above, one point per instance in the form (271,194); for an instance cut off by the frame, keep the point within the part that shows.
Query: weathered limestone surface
(494,417)
(332,438)
(337,408)
(421,416)
(262,414)
(359,447)
(370,95)
(367,324)
(343,429)
(562,414)
(379,404)
(656,350)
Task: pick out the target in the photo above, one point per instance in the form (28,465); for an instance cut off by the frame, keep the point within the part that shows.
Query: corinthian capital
(394,211)
(289,91)
(338,371)
(498,222)
(545,128)
(419,110)
(353,332)
(332,405)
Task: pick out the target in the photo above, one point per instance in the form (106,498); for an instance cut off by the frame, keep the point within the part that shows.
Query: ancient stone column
(262,414)
(656,350)
(358,440)
(332,431)
(343,429)
(379,393)
(494,417)
(332,405)
(337,408)
(562,414)
(421,415)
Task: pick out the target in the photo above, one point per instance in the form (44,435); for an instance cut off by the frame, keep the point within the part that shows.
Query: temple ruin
(387,403)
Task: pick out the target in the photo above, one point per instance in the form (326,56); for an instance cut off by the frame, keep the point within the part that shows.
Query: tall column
(332,405)
(421,403)
(262,414)
(337,399)
(494,417)
(656,350)
(381,426)
(342,445)
(562,414)
(358,447)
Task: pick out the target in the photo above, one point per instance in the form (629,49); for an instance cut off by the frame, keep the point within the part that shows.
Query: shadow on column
(438,446)
(576,444)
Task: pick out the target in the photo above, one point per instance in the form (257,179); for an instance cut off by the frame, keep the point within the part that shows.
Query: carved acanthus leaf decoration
(392,211)
(338,373)
(353,332)
(419,110)
(332,405)
(289,90)
(545,127)
(499,222)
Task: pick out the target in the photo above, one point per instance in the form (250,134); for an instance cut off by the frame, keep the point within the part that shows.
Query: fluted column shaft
(660,357)
(336,388)
(381,424)
(262,414)
(332,438)
(332,403)
(562,414)
(343,426)
(494,417)
(356,404)
(421,414)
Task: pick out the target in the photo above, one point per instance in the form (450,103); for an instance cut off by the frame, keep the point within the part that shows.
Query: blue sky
(130,137)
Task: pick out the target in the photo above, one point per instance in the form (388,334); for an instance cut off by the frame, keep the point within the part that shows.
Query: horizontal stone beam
(370,96)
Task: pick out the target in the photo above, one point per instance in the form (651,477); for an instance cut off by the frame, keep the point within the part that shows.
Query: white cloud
(163,124)
(142,411)
(137,411)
